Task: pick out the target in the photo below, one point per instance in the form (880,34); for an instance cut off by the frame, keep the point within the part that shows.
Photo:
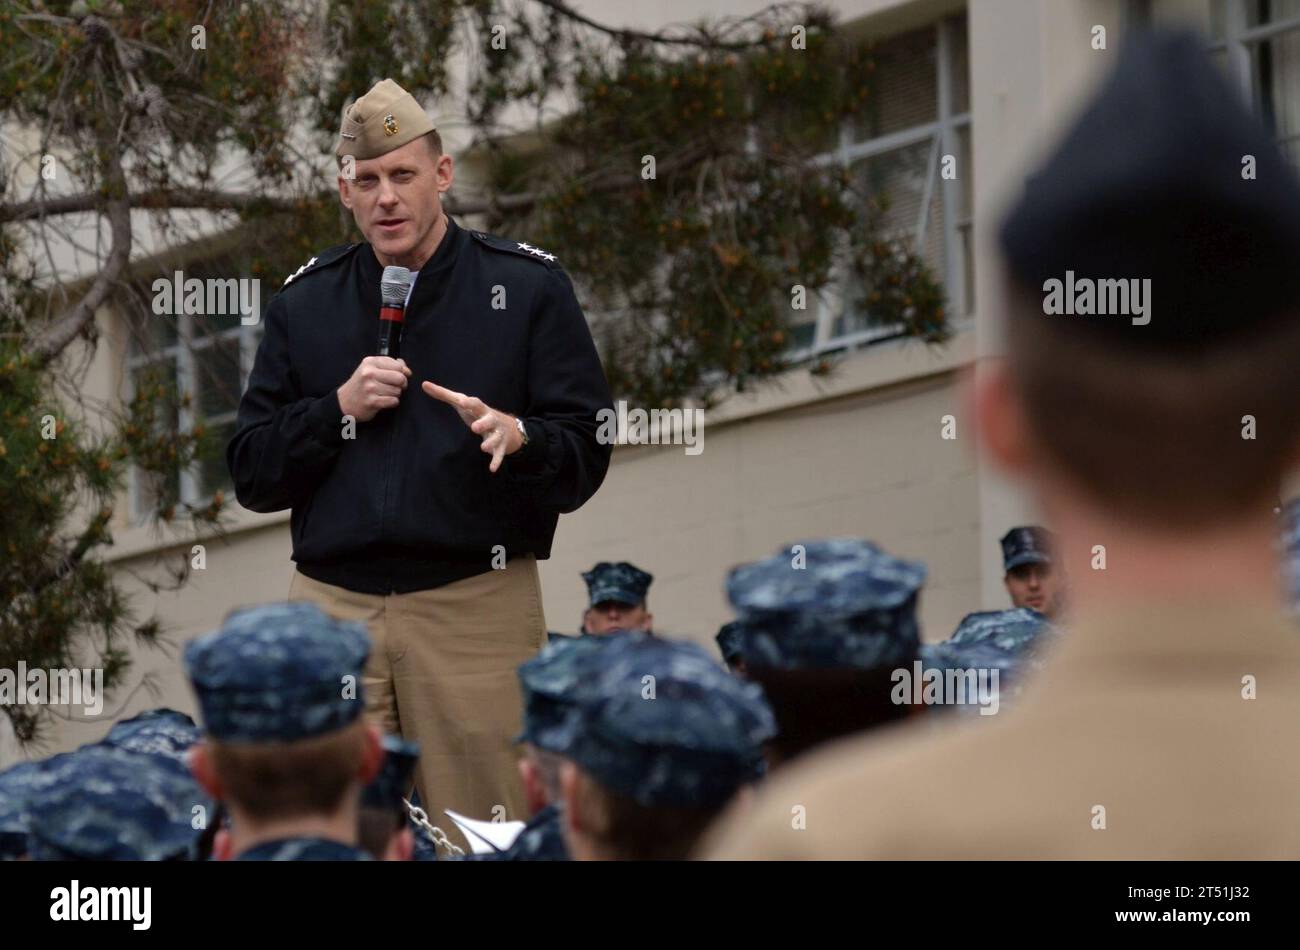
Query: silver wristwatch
(523,433)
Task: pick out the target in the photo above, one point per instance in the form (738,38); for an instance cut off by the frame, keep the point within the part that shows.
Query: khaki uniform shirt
(1141,712)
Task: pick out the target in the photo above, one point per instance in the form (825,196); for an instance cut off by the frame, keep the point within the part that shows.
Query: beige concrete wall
(1032,62)
(863,457)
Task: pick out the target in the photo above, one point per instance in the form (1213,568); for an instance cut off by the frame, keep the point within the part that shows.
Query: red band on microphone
(396,314)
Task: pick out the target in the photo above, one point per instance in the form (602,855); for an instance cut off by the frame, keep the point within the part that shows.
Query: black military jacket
(408,503)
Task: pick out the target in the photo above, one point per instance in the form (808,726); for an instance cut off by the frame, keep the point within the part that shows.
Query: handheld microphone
(393,288)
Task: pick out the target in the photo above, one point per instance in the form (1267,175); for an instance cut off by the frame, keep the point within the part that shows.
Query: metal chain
(435,834)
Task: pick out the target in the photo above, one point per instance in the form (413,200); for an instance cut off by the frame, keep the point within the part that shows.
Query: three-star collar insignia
(299,271)
(535,251)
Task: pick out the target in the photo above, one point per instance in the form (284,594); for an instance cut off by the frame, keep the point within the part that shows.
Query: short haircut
(813,706)
(276,780)
(625,830)
(1155,435)
(548,767)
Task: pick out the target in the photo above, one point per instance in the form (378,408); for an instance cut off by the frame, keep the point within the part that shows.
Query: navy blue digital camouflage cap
(828,603)
(104,804)
(278,673)
(622,582)
(667,726)
(393,780)
(165,733)
(962,664)
(549,682)
(729,641)
(19,784)
(1149,181)
(1029,544)
(1014,630)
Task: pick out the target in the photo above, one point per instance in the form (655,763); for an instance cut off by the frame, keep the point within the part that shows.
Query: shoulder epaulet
(331,255)
(522,248)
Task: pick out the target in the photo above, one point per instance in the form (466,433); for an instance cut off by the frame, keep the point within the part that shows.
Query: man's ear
(345,192)
(649,624)
(372,755)
(534,793)
(200,761)
(221,846)
(993,405)
(444,172)
(569,780)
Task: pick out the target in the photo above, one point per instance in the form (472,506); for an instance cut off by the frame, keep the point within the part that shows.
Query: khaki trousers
(442,675)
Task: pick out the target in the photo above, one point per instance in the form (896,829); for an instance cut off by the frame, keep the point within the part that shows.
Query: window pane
(153,491)
(960,67)
(149,331)
(801,335)
(216,376)
(1263,12)
(1276,78)
(896,180)
(159,374)
(211,324)
(1218,19)
(905,89)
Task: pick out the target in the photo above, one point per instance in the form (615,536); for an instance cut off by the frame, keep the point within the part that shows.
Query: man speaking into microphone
(422,509)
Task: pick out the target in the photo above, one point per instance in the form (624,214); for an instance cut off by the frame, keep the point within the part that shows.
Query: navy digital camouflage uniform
(105,804)
(976,655)
(693,743)
(281,673)
(549,682)
(164,734)
(840,602)
(1009,641)
(1014,630)
(19,785)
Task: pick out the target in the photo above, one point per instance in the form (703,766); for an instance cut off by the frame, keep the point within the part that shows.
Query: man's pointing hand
(500,433)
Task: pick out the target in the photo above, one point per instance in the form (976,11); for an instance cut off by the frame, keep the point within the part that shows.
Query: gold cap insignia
(385,118)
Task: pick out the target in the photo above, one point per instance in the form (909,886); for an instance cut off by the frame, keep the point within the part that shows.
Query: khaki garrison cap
(385,118)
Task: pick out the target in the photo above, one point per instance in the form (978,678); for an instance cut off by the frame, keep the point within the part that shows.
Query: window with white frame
(1258,43)
(919,112)
(208,357)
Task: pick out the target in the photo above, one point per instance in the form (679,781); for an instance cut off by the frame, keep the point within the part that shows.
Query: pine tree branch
(55,337)
(703,40)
